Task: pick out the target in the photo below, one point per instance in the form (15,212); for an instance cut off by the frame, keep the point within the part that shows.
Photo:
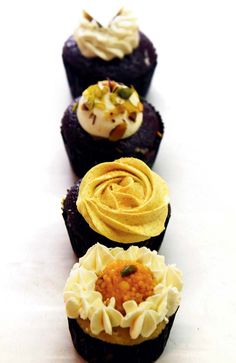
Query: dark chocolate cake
(134,69)
(121,304)
(85,151)
(98,351)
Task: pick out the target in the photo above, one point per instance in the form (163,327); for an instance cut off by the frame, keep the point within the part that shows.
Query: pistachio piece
(93,117)
(84,107)
(134,99)
(105,89)
(87,16)
(140,107)
(118,131)
(113,98)
(120,109)
(89,104)
(119,13)
(93,91)
(74,107)
(100,105)
(128,270)
(129,107)
(124,93)
(98,92)
(112,85)
(132,116)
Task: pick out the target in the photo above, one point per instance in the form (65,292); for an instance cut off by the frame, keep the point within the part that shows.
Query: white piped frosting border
(81,299)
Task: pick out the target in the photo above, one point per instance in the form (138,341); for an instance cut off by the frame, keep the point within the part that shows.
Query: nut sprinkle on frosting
(116,108)
(96,292)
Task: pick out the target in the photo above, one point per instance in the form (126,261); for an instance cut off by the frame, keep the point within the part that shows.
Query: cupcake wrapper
(134,69)
(84,151)
(97,351)
(82,237)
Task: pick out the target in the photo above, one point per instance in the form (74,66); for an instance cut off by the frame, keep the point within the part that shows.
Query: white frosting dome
(118,38)
(83,301)
(110,110)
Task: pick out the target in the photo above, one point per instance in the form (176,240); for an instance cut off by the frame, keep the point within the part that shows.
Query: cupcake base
(99,351)
(82,237)
(85,151)
(134,69)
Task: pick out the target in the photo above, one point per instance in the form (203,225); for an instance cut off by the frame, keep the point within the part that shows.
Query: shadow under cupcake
(118,204)
(108,122)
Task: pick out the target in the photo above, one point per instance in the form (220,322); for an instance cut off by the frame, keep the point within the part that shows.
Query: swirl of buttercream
(104,318)
(142,319)
(96,259)
(124,200)
(116,40)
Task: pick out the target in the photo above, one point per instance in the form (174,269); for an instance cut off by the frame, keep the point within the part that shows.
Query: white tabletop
(194,90)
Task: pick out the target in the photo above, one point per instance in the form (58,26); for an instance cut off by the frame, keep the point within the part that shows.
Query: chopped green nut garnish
(132,116)
(74,107)
(128,270)
(105,90)
(124,93)
(100,105)
(98,92)
(89,104)
(113,98)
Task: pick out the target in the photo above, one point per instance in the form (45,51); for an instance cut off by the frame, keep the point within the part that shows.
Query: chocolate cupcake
(118,204)
(117,50)
(109,121)
(121,304)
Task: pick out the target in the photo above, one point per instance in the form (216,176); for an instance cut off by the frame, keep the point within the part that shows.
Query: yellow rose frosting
(124,200)
(82,301)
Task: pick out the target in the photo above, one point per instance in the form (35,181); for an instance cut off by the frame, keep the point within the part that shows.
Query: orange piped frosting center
(125,280)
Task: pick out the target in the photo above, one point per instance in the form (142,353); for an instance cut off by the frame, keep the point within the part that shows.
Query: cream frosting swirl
(110,110)
(82,301)
(124,200)
(119,38)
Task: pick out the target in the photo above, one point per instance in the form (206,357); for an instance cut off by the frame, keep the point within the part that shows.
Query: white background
(194,89)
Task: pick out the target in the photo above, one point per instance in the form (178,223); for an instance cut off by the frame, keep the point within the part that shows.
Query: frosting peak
(111,110)
(124,200)
(119,38)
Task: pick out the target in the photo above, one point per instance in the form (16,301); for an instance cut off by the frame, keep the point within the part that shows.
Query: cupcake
(118,204)
(113,50)
(108,122)
(121,304)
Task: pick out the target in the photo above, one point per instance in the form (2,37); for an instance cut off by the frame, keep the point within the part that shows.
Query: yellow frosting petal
(124,200)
